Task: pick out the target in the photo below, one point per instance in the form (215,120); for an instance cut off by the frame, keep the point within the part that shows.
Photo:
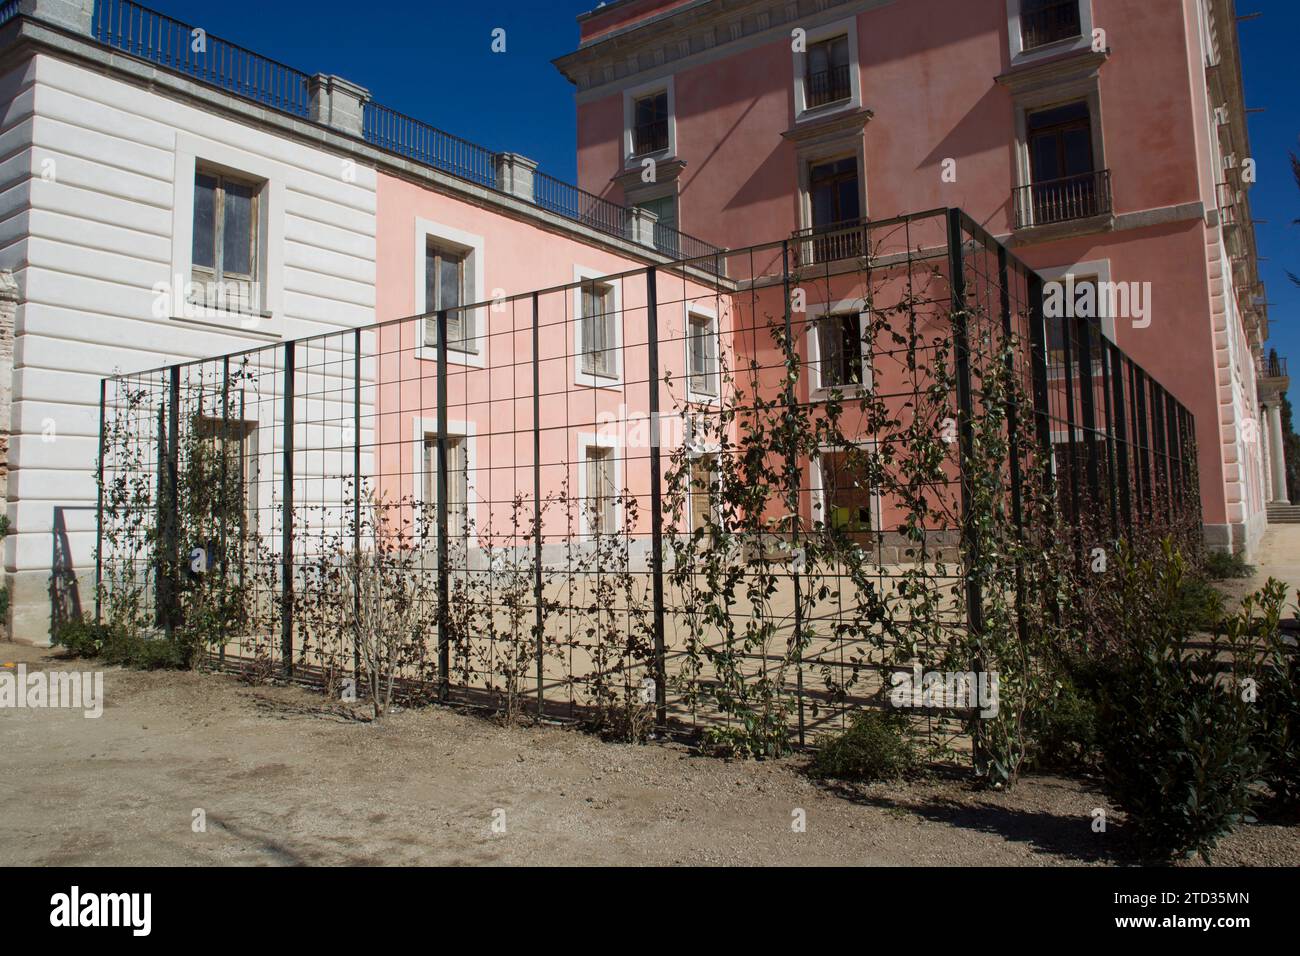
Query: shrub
(1176,746)
(876,746)
(1220,565)
(1277,727)
(1065,731)
(1199,604)
(82,638)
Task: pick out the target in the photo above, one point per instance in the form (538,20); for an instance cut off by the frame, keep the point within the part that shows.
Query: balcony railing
(1271,366)
(1063,200)
(650,137)
(841,240)
(1227,198)
(429,145)
(157,38)
(1050,23)
(828,86)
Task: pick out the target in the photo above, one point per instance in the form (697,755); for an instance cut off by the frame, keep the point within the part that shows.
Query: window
(457,482)
(596,330)
(702,354)
(846,497)
(834,198)
(224,467)
(600,500)
(1047,21)
(827,75)
(444,280)
(650,123)
(1086,305)
(225,251)
(839,351)
(1064,183)
(703,491)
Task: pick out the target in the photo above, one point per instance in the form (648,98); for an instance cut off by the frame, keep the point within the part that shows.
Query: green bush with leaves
(876,746)
(114,647)
(1175,731)
(1277,699)
(1220,566)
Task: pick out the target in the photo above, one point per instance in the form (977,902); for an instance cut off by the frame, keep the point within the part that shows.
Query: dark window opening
(1047,21)
(650,123)
(827,77)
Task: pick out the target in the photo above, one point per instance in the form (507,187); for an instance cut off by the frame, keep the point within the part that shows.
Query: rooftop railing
(178,46)
(155,37)
(1271,366)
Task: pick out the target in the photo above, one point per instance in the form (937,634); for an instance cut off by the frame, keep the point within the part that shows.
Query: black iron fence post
(356,500)
(287,516)
(540,621)
(1087,406)
(656,496)
(794,478)
(171,539)
(444,644)
(99,509)
(1121,413)
(1013,431)
(966,452)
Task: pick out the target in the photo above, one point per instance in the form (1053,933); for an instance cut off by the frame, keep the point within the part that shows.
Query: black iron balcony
(650,137)
(1049,23)
(840,240)
(1063,200)
(1271,366)
(828,86)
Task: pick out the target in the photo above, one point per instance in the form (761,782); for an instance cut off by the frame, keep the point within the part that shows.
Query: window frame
(1020,55)
(631,96)
(814,314)
(818,34)
(819,489)
(691,313)
(607,444)
(581,276)
(425,430)
(217,273)
(191,153)
(471,246)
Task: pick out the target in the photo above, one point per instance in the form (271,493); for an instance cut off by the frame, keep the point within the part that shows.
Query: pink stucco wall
(928,73)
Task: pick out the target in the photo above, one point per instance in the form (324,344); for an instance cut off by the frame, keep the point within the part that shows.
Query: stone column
(74,15)
(1265,443)
(338,103)
(1277,453)
(515,175)
(641,225)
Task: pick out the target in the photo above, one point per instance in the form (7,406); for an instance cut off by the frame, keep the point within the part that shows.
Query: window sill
(634,160)
(465,358)
(1026,235)
(239,323)
(809,113)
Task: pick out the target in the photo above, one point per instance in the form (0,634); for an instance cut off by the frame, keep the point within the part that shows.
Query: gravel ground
(284,777)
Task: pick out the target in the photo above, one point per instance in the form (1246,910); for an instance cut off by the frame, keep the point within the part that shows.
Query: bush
(1199,604)
(112,647)
(1220,565)
(1065,730)
(876,746)
(1176,739)
(1277,727)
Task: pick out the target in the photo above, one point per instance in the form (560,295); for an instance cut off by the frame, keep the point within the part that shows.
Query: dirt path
(283,781)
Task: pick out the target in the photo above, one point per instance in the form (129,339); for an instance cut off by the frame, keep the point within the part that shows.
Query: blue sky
(434,61)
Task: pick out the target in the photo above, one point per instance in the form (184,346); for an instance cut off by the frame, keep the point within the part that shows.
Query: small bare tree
(382,585)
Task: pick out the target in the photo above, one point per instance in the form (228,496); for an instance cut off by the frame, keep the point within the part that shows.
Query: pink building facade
(1103,140)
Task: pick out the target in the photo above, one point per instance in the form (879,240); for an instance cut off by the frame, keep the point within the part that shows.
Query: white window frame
(1026,103)
(587,440)
(1094,267)
(815,35)
(1021,56)
(827,153)
(585,379)
(692,310)
(694,454)
(471,245)
(192,152)
(426,428)
(816,312)
(631,157)
(818,486)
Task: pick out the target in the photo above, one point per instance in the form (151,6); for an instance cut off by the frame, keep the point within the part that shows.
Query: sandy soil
(286,777)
